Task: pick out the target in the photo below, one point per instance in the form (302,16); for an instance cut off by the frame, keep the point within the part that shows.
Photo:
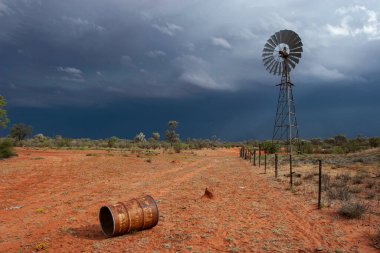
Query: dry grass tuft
(352,210)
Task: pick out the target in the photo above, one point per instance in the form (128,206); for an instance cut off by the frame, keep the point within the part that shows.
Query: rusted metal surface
(125,217)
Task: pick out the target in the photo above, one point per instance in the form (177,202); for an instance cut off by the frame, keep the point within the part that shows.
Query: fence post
(275,165)
(254,157)
(319,184)
(265,162)
(291,171)
(259,155)
(250,156)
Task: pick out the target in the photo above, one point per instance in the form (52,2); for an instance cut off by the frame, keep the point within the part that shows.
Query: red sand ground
(50,201)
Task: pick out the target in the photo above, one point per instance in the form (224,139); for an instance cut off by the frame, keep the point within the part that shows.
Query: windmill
(281,53)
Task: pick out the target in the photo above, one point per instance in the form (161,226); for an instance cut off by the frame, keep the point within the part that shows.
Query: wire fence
(323,180)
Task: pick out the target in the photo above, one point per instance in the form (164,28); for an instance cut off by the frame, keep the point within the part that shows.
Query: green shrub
(178,146)
(374,142)
(6,150)
(270,147)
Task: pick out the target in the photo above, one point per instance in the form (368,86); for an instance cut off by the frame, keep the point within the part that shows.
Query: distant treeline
(337,145)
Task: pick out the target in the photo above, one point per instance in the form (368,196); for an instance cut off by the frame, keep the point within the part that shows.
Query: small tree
(140,137)
(170,134)
(156,136)
(270,147)
(112,141)
(374,142)
(20,131)
(3,113)
(340,139)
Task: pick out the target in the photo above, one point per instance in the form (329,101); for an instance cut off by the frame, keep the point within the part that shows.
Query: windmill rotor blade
(272,68)
(293,41)
(273,37)
(297,44)
(266,55)
(294,44)
(289,61)
(277,35)
(295,54)
(267,50)
(279,71)
(266,61)
(297,50)
(279,68)
(269,63)
(286,37)
(290,36)
(271,43)
(275,68)
(295,59)
(282,67)
(269,46)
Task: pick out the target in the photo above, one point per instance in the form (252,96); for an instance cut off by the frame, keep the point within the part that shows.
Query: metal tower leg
(285,129)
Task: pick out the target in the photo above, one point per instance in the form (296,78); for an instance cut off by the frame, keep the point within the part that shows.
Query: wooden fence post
(254,157)
(319,184)
(259,155)
(291,171)
(275,165)
(265,162)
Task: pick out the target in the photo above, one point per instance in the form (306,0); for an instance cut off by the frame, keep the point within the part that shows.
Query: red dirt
(51,199)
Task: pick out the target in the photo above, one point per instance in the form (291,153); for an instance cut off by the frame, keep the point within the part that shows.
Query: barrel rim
(113,221)
(158,213)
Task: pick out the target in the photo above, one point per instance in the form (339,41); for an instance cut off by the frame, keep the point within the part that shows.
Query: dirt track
(50,200)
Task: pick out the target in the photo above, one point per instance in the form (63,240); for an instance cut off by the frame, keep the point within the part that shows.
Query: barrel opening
(106,221)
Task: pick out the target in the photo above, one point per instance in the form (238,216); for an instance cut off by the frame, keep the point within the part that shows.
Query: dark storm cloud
(95,53)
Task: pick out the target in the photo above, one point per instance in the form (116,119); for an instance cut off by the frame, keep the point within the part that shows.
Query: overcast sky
(98,68)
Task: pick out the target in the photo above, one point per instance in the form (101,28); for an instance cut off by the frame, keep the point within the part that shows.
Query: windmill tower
(281,53)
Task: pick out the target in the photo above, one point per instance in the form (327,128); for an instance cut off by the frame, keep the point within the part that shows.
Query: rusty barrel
(132,215)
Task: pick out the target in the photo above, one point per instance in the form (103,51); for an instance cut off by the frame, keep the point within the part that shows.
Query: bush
(341,193)
(180,146)
(270,147)
(6,150)
(352,210)
(325,182)
(376,240)
(343,177)
(357,179)
(374,142)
